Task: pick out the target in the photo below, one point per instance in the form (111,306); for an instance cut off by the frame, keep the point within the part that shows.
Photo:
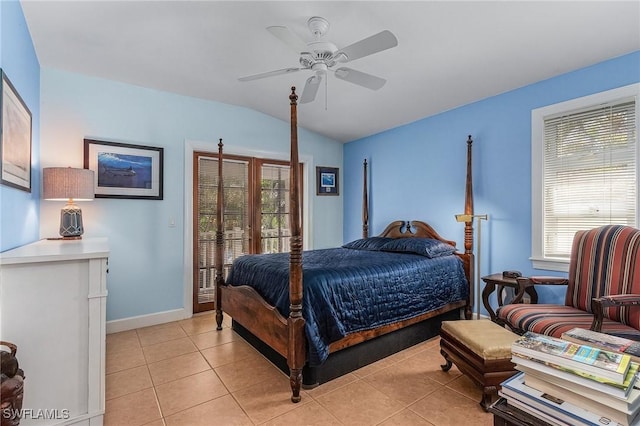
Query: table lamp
(68,184)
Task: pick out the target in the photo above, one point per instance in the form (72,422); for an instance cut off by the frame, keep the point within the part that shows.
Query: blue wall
(19,223)
(147,270)
(417,171)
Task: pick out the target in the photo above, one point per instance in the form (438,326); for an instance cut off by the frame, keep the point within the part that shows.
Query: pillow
(423,246)
(371,243)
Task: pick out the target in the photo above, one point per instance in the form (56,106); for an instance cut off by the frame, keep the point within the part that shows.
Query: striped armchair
(603,288)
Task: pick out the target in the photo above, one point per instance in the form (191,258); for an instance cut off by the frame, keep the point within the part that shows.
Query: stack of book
(567,383)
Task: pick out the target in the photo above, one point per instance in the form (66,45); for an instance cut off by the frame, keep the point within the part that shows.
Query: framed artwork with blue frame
(124,170)
(327,181)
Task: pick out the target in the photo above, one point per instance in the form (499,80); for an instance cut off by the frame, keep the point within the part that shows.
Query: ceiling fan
(321,56)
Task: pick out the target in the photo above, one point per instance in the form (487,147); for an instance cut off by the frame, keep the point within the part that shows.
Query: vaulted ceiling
(449,53)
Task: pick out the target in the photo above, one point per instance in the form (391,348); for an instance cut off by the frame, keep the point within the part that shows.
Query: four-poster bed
(359,303)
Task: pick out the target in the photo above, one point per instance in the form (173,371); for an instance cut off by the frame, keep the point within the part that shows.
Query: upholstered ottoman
(481,349)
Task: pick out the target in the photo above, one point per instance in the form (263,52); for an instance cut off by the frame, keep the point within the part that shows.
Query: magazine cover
(604,341)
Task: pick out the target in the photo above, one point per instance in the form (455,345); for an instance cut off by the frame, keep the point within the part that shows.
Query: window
(584,170)
(274,209)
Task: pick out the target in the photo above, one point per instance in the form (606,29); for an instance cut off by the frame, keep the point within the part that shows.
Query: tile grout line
(153,386)
(218,376)
(314,398)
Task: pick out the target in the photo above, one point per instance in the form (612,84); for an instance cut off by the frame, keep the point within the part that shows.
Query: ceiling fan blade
(310,89)
(288,37)
(376,43)
(360,78)
(269,74)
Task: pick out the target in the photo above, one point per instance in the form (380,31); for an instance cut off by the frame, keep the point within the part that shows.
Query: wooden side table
(498,281)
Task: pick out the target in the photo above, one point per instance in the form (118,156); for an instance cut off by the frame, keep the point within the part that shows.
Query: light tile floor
(187,373)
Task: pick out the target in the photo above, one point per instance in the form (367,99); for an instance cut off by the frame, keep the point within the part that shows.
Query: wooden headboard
(412,229)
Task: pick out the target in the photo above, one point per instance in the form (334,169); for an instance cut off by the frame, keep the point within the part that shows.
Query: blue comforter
(349,290)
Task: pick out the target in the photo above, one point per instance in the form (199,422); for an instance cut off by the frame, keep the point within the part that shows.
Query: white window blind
(236,220)
(589,172)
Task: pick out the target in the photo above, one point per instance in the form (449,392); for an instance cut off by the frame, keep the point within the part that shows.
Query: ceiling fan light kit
(318,26)
(320,56)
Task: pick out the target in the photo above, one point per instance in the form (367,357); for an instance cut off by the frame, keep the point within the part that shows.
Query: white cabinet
(53,307)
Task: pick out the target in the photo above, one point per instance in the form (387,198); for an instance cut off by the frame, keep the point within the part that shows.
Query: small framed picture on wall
(327,181)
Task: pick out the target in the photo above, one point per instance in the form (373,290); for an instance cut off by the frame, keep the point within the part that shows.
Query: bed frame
(283,340)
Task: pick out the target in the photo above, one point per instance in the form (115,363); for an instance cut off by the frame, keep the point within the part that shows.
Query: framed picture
(327,181)
(124,170)
(15,148)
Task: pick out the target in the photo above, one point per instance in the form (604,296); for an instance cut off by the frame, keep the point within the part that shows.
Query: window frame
(538,116)
(258,164)
(251,239)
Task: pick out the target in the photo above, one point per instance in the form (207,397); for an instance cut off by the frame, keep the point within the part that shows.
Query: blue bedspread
(349,290)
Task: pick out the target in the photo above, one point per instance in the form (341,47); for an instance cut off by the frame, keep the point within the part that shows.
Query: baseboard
(156,318)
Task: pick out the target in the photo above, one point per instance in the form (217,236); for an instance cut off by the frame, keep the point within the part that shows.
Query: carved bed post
(365,204)
(296,349)
(468,227)
(219,262)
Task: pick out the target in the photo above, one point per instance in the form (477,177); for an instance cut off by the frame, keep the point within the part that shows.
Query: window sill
(548,264)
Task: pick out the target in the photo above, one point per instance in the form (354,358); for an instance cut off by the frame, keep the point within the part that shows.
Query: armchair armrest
(543,280)
(526,282)
(599,303)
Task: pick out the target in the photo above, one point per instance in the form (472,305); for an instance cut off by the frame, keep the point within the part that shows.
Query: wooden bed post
(219,240)
(296,348)
(468,228)
(365,203)
(468,202)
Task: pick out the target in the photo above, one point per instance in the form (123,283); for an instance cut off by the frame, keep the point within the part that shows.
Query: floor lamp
(479,218)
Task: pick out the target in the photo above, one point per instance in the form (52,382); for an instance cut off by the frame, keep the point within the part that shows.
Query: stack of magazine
(566,383)
(604,341)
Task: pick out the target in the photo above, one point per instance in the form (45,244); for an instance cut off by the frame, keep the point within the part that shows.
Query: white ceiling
(449,53)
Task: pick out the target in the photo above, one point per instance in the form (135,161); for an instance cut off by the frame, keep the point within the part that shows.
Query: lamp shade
(64,183)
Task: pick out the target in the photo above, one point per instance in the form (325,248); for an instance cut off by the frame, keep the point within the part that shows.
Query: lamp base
(71,222)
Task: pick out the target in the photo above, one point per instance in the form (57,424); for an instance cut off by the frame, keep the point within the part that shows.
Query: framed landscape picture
(125,170)
(15,147)
(327,181)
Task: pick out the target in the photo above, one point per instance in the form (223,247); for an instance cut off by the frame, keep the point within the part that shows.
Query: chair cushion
(553,320)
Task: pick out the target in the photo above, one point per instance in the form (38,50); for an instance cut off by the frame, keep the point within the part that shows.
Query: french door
(255,215)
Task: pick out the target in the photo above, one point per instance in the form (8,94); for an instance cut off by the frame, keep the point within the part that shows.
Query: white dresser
(53,297)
